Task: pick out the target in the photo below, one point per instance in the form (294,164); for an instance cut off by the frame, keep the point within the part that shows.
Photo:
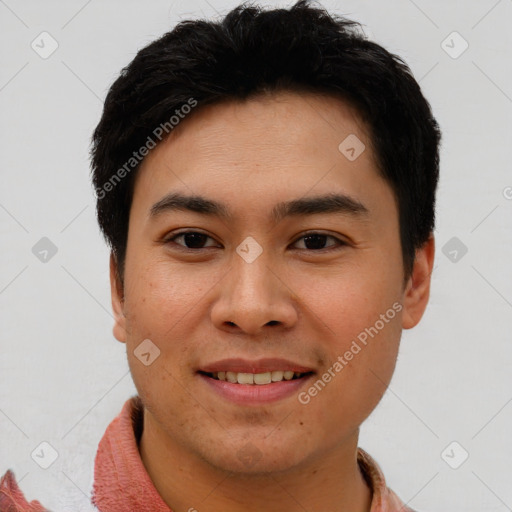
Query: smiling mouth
(256,378)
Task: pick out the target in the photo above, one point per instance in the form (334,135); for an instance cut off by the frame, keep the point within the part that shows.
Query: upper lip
(238,365)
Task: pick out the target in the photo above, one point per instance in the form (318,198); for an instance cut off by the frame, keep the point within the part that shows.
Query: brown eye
(317,241)
(191,239)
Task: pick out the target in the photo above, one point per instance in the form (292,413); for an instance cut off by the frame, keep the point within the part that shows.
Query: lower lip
(255,394)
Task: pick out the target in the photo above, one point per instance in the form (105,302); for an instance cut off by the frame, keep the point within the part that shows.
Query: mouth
(254,383)
(256,379)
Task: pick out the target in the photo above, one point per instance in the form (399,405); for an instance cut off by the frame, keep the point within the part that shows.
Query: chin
(256,458)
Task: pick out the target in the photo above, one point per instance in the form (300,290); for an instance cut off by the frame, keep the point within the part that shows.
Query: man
(267,186)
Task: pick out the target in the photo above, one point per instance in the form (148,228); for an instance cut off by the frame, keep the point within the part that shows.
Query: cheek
(353,382)
(359,317)
(366,330)
(160,297)
(347,301)
(156,308)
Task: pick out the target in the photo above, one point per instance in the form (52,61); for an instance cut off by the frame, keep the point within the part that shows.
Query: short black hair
(251,51)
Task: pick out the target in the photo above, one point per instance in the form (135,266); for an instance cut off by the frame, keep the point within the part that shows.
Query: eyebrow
(329,203)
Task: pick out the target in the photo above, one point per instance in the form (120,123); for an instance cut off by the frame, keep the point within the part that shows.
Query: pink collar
(121,482)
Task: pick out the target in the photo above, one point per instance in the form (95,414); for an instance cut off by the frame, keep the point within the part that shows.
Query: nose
(254,297)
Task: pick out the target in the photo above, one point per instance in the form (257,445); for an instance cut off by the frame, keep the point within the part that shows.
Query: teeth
(256,378)
(263,378)
(277,376)
(245,378)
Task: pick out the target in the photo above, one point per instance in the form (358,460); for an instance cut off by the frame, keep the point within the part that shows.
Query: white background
(63,375)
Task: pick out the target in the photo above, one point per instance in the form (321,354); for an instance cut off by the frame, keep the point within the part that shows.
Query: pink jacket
(121,482)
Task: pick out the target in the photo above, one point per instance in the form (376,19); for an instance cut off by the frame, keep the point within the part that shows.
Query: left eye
(315,240)
(312,241)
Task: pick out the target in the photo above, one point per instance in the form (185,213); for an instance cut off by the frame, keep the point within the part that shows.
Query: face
(267,276)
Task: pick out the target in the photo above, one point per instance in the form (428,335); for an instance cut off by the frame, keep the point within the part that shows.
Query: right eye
(193,240)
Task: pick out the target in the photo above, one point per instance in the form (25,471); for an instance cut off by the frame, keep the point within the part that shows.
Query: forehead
(243,152)
(303,121)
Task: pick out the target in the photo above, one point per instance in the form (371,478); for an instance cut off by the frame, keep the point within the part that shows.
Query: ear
(117,295)
(417,290)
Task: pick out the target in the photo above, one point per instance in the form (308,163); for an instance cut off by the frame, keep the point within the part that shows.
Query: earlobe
(117,297)
(417,291)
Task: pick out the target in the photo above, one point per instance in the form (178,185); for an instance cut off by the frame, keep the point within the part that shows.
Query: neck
(186,482)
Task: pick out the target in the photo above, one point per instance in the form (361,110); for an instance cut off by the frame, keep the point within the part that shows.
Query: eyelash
(339,243)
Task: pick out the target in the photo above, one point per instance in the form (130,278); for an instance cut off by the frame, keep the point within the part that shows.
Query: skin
(294,302)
